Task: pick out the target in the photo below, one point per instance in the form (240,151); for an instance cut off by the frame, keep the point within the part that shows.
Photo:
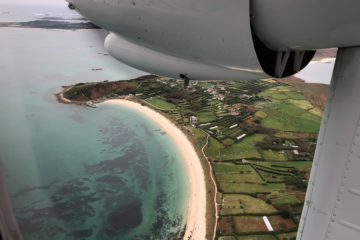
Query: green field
(316,112)
(239,177)
(303,104)
(260,114)
(243,149)
(249,204)
(205,116)
(290,199)
(229,187)
(289,117)
(231,168)
(295,164)
(160,103)
(279,96)
(273,155)
(199,137)
(291,111)
(236,173)
(295,95)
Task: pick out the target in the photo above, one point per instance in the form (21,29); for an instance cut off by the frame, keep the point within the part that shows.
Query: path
(213,180)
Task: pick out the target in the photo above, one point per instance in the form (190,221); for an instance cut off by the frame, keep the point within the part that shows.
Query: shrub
(285,214)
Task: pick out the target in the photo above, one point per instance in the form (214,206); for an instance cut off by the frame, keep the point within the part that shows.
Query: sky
(34,2)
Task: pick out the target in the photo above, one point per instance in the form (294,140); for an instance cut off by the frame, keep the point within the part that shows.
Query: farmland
(261,137)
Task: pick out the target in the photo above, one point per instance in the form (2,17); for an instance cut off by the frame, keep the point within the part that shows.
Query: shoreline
(196,210)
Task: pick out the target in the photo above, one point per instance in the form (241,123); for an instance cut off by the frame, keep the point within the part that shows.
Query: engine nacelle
(203,39)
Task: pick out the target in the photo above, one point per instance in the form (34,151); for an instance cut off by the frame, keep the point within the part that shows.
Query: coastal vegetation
(260,138)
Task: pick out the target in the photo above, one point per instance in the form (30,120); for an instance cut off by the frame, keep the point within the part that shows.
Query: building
(193,121)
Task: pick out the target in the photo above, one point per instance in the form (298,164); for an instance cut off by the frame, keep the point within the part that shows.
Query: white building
(193,121)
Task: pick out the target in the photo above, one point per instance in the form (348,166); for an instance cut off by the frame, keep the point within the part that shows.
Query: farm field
(161,104)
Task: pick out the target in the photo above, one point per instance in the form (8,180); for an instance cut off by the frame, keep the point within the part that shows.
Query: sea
(75,172)
(317,72)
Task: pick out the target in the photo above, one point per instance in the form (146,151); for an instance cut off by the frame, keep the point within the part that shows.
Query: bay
(75,172)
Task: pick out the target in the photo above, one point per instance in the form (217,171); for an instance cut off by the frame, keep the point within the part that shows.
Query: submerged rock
(123,219)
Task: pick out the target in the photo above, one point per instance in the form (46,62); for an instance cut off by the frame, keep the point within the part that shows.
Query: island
(255,141)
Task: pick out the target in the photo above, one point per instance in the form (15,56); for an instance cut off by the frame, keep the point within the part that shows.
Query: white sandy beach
(196,218)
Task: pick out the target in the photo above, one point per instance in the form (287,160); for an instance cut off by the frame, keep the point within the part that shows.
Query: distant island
(258,137)
(50,24)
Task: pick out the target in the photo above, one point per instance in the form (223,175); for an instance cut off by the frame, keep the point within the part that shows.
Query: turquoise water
(75,172)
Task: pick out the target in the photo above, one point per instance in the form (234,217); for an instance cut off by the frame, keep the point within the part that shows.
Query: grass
(228,141)
(295,95)
(231,209)
(290,199)
(199,136)
(236,173)
(280,93)
(260,114)
(249,204)
(241,155)
(248,143)
(282,88)
(271,177)
(231,205)
(266,93)
(249,224)
(231,168)
(243,149)
(279,96)
(160,103)
(316,112)
(311,117)
(295,164)
(288,117)
(214,147)
(289,111)
(257,237)
(270,155)
(229,187)
(245,177)
(308,125)
(303,104)
(205,116)
(281,123)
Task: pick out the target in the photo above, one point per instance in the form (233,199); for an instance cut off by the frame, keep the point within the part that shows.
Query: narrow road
(213,180)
